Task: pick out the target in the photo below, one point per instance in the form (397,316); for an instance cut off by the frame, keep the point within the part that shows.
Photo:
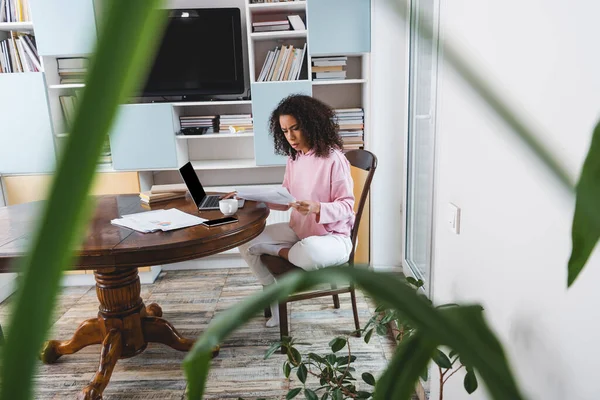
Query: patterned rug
(190,299)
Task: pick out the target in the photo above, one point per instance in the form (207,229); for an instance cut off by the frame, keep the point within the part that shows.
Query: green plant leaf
(401,376)
(461,328)
(287,369)
(310,395)
(274,347)
(412,281)
(368,336)
(331,358)
(470,381)
(325,396)
(293,393)
(441,359)
(586,220)
(302,373)
(294,356)
(317,358)
(382,330)
(368,378)
(336,394)
(363,395)
(337,344)
(343,360)
(116,69)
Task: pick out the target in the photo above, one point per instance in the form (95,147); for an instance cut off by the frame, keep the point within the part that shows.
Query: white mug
(228,206)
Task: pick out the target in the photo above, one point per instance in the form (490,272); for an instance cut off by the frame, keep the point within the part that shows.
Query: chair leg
(336,298)
(283,323)
(355,311)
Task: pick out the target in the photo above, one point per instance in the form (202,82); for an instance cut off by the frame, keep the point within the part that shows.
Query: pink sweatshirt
(326,180)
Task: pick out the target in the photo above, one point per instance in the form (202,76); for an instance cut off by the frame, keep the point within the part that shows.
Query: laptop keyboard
(211,201)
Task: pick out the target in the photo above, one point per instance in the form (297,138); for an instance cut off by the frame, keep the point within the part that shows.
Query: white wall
(512,252)
(389,49)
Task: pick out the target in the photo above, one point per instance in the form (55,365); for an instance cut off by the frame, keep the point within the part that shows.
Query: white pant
(314,252)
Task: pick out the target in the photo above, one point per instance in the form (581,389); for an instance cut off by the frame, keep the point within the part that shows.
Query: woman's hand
(229,196)
(306,207)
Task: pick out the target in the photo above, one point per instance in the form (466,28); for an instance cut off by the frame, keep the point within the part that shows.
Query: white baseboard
(89,280)
(7,285)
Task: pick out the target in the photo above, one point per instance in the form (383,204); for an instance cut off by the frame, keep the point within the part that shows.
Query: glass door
(421,138)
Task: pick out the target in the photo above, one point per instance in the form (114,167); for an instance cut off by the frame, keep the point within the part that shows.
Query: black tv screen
(200,54)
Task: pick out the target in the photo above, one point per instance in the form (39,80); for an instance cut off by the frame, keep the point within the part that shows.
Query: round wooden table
(124,325)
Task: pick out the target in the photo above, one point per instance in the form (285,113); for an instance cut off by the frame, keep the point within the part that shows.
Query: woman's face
(293,134)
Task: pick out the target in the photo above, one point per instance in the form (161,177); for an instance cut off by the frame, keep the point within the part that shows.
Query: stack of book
(72,70)
(105,156)
(282,64)
(157,194)
(270,26)
(351,123)
(14,11)
(329,68)
(199,125)
(19,54)
(236,123)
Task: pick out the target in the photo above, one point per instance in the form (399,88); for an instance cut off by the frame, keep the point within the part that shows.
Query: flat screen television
(200,55)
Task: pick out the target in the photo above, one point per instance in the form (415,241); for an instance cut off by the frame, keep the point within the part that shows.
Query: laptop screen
(193,183)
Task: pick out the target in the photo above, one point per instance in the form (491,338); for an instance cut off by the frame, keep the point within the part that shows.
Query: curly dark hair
(316,121)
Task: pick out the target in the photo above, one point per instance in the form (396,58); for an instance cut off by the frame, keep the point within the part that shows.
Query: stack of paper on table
(152,198)
(158,220)
(278,195)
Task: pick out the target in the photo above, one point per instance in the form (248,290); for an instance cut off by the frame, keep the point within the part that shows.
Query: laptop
(202,200)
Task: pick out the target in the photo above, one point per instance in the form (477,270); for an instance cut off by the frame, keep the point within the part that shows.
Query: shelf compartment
(339,82)
(67,86)
(278,7)
(215,136)
(257,36)
(238,163)
(211,103)
(16,26)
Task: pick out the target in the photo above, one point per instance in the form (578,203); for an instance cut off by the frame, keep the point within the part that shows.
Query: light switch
(453,218)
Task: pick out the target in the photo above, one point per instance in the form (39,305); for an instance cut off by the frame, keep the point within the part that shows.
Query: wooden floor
(189,300)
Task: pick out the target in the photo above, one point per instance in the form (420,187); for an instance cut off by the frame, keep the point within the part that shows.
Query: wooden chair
(278,266)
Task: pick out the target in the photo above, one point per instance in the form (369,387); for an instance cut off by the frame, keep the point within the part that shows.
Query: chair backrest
(366,161)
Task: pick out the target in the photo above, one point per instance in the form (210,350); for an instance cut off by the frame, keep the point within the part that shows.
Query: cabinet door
(64,27)
(26,141)
(339,26)
(265,98)
(144,137)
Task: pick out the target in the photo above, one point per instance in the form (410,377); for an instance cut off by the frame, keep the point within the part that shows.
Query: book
(169,188)
(297,23)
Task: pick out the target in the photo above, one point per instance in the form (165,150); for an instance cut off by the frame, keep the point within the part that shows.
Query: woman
(317,175)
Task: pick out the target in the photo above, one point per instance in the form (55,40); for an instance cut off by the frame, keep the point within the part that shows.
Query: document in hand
(278,195)
(158,220)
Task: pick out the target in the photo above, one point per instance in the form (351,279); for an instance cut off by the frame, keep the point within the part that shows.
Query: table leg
(124,326)
(111,351)
(159,330)
(89,332)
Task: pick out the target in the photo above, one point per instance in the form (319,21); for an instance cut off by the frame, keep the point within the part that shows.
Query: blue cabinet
(265,98)
(26,139)
(64,27)
(339,26)
(144,137)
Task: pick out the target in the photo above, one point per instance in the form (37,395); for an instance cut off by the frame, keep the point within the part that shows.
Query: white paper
(278,195)
(158,220)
